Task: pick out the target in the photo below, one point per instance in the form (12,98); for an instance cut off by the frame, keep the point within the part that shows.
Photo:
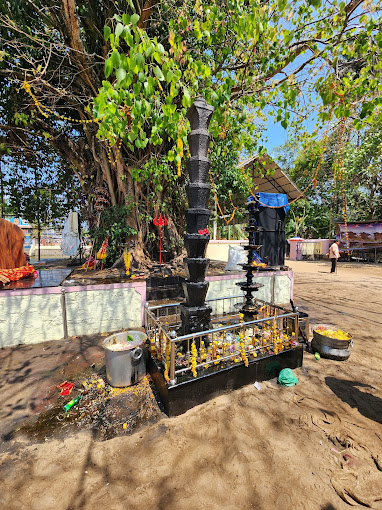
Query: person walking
(334,255)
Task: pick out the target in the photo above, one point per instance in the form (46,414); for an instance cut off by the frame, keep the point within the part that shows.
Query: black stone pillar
(195,315)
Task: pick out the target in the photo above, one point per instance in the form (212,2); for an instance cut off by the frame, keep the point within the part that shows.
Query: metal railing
(223,345)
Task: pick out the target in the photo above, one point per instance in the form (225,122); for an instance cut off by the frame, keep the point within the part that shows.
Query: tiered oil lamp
(250,307)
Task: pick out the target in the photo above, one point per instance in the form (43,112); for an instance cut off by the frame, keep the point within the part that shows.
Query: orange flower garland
(102,252)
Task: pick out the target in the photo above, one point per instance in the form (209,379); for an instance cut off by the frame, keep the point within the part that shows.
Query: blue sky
(276,135)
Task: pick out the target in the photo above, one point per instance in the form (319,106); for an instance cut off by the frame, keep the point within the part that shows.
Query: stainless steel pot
(125,358)
(331,348)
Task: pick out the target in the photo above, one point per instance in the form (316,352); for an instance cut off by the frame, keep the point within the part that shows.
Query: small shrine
(201,348)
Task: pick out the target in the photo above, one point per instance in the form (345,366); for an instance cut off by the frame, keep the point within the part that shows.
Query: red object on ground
(90,263)
(66,388)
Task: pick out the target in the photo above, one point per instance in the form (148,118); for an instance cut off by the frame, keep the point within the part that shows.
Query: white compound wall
(30,316)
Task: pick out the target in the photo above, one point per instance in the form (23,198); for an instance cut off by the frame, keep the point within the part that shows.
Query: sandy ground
(317,445)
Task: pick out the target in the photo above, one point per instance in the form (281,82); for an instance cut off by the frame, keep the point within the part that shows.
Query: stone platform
(45,278)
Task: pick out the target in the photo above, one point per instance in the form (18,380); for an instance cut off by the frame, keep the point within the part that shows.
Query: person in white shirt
(334,255)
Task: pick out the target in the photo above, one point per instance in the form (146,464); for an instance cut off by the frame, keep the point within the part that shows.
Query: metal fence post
(273,289)
(172,364)
(64,318)
(145,315)
(296,326)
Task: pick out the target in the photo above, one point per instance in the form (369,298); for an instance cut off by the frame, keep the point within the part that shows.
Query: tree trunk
(106,172)
(172,233)
(138,252)
(82,59)
(1,192)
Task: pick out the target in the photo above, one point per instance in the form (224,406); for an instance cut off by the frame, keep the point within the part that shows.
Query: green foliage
(228,181)
(159,170)
(113,223)
(307,219)
(230,53)
(277,60)
(21,118)
(361,163)
(286,154)
(4,149)
(232,231)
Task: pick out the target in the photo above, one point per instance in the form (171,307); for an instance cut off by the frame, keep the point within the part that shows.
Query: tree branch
(299,49)
(352,6)
(73,29)
(146,13)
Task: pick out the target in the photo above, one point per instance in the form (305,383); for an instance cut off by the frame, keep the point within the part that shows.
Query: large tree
(340,174)
(137,66)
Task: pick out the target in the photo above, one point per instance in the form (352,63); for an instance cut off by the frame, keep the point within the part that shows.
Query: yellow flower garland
(167,360)
(194,353)
(203,354)
(127,259)
(242,350)
(180,154)
(41,108)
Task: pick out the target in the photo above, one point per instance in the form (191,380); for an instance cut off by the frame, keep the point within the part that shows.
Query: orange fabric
(102,252)
(89,264)
(17,273)
(11,245)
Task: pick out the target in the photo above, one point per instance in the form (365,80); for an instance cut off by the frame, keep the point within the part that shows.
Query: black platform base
(159,287)
(180,398)
(195,319)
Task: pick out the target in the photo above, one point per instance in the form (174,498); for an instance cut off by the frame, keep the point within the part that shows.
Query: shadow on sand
(368,405)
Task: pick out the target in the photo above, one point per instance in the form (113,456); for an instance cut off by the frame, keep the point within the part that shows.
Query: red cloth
(17,273)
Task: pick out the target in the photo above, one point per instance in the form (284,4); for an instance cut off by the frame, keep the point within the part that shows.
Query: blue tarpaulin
(256,258)
(272,200)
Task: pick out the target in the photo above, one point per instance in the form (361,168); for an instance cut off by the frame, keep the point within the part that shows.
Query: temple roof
(275,182)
